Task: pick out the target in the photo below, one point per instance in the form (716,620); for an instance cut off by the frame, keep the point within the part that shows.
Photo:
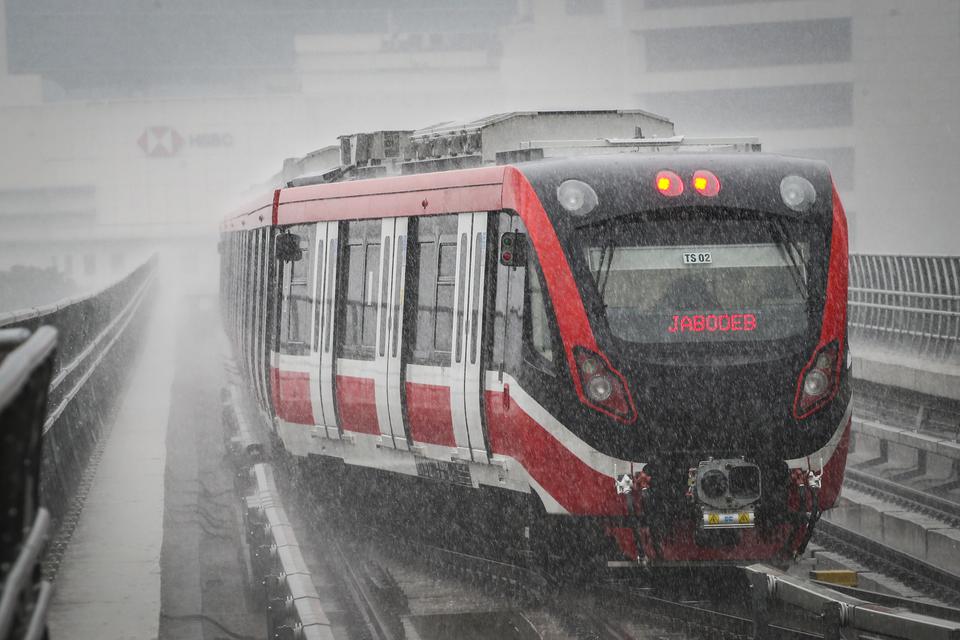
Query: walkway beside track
(108,585)
(896,368)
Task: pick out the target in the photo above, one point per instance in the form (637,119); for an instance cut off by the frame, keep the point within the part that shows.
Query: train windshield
(699,280)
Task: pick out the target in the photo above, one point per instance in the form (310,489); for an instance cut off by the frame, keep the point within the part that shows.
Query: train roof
(482,189)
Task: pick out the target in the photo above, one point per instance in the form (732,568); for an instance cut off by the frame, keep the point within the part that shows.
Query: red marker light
(706,184)
(669,183)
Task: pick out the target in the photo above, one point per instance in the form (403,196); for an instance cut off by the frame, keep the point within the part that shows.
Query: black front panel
(709,306)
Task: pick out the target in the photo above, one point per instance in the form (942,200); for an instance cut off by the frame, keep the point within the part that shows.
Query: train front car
(685,322)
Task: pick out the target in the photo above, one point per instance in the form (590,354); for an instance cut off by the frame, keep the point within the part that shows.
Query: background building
(131,124)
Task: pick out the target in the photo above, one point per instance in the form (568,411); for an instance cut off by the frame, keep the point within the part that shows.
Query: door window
(361,260)
(537,329)
(432,270)
(297,291)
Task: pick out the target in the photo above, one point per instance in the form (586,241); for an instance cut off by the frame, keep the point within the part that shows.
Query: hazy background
(131,124)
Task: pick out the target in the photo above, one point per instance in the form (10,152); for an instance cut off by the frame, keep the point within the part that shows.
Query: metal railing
(907,302)
(98,336)
(26,366)
(837,612)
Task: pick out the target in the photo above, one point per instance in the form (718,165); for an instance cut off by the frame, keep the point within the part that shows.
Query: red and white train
(648,347)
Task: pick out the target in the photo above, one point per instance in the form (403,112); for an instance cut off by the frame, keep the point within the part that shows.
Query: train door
(255,327)
(292,363)
(387,369)
(356,343)
(443,342)
(324,328)
(260,328)
(466,373)
(263,331)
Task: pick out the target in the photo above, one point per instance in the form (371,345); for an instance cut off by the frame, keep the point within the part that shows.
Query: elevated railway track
(887,318)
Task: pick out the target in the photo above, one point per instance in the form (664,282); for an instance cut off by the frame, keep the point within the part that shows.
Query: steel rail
(710,622)
(890,600)
(836,611)
(916,500)
(376,625)
(914,572)
(690,617)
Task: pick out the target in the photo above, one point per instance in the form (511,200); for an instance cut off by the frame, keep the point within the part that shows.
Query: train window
(331,268)
(507,285)
(318,296)
(426,297)
(254,304)
(478,256)
(354,300)
(538,337)
(369,332)
(685,280)
(432,268)
(384,294)
(362,262)
(260,304)
(462,284)
(446,283)
(397,291)
(298,293)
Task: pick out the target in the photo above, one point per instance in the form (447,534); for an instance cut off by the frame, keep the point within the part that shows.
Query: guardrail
(26,366)
(277,568)
(98,335)
(837,611)
(294,608)
(910,302)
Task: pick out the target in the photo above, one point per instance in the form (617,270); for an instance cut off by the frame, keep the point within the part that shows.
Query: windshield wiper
(792,249)
(604,277)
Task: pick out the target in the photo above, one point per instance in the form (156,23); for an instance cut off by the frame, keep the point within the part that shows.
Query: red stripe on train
(291,395)
(423,194)
(578,487)
(518,194)
(429,415)
(835,309)
(572,321)
(357,402)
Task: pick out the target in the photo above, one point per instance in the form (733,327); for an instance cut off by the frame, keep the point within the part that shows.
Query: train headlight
(577,197)
(797,193)
(815,383)
(602,387)
(599,388)
(819,380)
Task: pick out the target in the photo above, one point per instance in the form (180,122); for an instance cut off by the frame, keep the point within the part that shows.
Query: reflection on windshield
(699,293)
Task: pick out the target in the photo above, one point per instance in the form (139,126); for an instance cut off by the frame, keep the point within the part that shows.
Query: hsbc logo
(165,142)
(160,142)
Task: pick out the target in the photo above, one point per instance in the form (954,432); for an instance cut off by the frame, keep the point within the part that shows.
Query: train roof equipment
(502,138)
